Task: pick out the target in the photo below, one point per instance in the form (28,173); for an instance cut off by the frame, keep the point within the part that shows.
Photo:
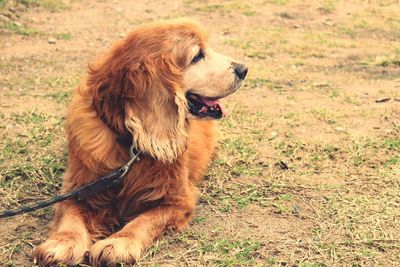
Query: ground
(308,165)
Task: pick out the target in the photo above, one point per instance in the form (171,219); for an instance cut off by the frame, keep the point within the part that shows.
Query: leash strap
(111,179)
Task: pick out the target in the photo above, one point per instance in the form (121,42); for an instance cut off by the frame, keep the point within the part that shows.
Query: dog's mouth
(203,107)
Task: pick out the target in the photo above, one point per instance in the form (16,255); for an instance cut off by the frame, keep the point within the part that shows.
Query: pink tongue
(209,102)
(212,103)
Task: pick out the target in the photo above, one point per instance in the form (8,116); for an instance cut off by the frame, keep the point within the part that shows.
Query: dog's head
(156,78)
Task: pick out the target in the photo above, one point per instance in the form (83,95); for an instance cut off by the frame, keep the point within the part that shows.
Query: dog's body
(141,90)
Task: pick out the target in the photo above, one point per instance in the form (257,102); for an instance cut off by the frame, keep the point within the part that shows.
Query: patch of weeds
(239,252)
(16,28)
(63,36)
(61,97)
(361,151)
(392,144)
(334,93)
(314,264)
(328,6)
(347,99)
(2,4)
(237,158)
(210,8)
(52,5)
(249,194)
(30,164)
(276,86)
(290,115)
(199,219)
(278,2)
(282,204)
(350,32)
(227,8)
(323,115)
(238,196)
(249,48)
(393,60)
(29,117)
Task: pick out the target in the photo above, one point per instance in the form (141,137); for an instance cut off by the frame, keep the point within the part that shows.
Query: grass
(51,5)
(23,162)
(63,36)
(16,28)
(226,8)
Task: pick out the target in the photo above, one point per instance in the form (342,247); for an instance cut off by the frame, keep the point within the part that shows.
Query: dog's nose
(241,71)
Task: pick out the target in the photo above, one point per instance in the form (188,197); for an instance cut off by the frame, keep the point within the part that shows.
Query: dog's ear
(143,95)
(156,115)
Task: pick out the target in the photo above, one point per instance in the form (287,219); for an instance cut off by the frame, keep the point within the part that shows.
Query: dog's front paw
(62,248)
(114,250)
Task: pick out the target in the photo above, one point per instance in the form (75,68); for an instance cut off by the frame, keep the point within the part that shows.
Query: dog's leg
(129,243)
(69,240)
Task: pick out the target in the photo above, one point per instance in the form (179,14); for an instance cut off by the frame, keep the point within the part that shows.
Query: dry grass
(308,168)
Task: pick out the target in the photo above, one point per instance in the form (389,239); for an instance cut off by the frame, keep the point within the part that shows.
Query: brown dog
(159,84)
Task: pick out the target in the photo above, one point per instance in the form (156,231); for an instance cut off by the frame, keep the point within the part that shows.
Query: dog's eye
(198,57)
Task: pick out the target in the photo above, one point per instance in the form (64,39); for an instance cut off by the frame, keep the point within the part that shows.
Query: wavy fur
(137,86)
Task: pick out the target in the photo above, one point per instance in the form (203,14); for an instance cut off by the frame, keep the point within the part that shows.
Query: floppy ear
(144,96)
(156,118)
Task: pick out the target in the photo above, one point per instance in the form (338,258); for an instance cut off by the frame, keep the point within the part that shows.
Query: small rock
(52,40)
(328,23)
(296,210)
(16,23)
(382,100)
(282,165)
(340,129)
(226,31)
(274,134)
(4,18)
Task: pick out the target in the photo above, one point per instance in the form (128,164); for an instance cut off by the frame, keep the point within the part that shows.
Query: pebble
(52,41)
(340,129)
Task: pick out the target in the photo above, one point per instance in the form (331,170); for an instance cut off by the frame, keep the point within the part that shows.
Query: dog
(161,86)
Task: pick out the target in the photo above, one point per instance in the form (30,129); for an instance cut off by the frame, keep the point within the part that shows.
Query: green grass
(232,252)
(327,7)
(29,166)
(20,29)
(63,36)
(227,8)
(61,97)
(51,5)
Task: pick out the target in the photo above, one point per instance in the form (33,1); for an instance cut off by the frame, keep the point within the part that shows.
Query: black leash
(113,178)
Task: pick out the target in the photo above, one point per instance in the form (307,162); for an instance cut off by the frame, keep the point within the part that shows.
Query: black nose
(241,71)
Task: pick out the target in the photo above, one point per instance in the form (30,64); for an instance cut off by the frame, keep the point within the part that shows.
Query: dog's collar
(124,139)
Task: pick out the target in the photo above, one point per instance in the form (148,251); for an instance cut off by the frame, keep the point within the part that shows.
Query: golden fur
(138,86)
